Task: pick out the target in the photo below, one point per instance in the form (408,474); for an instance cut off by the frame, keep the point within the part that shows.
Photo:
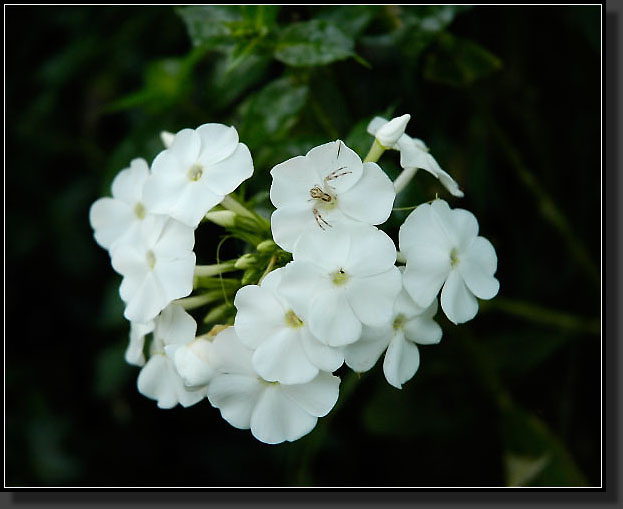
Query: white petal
(421,230)
(134,352)
(401,362)
(292,181)
(276,418)
(423,330)
(477,267)
(195,371)
(175,326)
(324,357)
(185,148)
(317,397)
(176,277)
(110,220)
(289,222)
(424,276)
(281,358)
(375,124)
(332,320)
(175,241)
(146,302)
(225,176)
(329,249)
(372,251)
(339,166)
(372,298)
(230,355)
(413,155)
(300,282)
(218,142)
(235,396)
(363,354)
(371,199)
(390,133)
(159,381)
(128,184)
(457,302)
(260,315)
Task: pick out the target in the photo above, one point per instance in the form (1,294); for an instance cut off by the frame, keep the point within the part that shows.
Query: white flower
(410,324)
(158,379)
(414,154)
(196,172)
(285,349)
(156,268)
(134,352)
(340,279)
(328,186)
(442,248)
(118,219)
(388,134)
(167,138)
(274,412)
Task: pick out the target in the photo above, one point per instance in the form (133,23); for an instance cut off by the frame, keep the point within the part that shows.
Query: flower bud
(266,245)
(192,362)
(389,133)
(224,218)
(167,138)
(246,261)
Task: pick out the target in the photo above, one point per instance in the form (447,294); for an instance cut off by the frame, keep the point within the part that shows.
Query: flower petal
(477,267)
(260,315)
(337,165)
(402,360)
(421,231)
(276,418)
(363,354)
(127,186)
(371,199)
(324,357)
(110,220)
(225,176)
(317,397)
(230,356)
(281,358)
(146,302)
(292,181)
(457,302)
(218,142)
(185,148)
(372,251)
(236,396)
(332,320)
(372,298)
(424,276)
(300,282)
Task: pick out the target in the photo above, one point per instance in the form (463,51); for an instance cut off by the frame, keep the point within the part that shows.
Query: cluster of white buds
(320,284)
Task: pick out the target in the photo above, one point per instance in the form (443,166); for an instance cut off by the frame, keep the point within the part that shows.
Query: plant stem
(375,152)
(404,178)
(215,269)
(196,301)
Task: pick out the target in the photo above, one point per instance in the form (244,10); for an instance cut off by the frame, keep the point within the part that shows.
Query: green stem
(196,301)
(269,267)
(375,152)
(234,205)
(404,178)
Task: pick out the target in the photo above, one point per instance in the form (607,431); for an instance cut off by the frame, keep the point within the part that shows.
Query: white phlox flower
(274,412)
(157,267)
(199,168)
(158,379)
(134,352)
(117,219)
(409,325)
(326,187)
(340,279)
(414,154)
(284,348)
(443,249)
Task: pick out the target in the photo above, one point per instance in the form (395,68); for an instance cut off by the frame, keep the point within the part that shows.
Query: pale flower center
(454,256)
(399,322)
(139,210)
(339,277)
(195,172)
(292,320)
(151,259)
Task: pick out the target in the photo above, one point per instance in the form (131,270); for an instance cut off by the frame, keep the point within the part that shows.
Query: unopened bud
(167,138)
(246,261)
(266,245)
(192,362)
(389,133)
(224,218)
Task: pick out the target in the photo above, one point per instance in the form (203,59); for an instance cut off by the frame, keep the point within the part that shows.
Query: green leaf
(352,20)
(311,43)
(534,455)
(271,112)
(207,25)
(459,62)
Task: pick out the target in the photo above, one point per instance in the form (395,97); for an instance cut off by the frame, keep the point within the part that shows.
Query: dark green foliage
(507,99)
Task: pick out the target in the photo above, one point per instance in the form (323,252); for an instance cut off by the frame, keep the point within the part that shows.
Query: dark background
(508,100)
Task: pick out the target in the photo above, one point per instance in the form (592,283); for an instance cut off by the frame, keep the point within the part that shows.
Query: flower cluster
(320,286)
